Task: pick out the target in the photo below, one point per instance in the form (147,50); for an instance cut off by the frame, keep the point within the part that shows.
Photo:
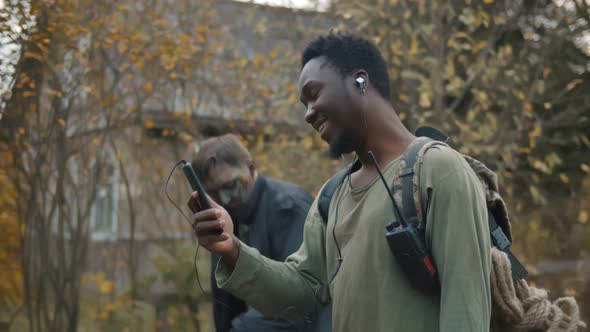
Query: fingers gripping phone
(193,179)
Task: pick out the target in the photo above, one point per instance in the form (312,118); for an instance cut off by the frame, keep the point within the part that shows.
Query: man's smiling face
(330,105)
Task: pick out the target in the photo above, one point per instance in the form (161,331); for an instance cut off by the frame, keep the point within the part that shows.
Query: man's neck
(387,139)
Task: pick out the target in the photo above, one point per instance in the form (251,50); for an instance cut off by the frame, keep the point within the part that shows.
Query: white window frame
(112,185)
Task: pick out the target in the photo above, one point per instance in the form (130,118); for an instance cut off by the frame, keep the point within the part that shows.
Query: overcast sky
(310,4)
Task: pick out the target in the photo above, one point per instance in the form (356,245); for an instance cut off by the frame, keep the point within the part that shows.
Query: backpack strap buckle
(501,241)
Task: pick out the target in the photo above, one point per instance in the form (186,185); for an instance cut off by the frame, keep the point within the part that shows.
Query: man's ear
(361,79)
(251,168)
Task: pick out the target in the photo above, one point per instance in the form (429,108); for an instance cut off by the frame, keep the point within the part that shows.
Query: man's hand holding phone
(214,229)
(211,222)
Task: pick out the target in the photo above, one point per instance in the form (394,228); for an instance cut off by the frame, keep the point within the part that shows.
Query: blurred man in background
(268,215)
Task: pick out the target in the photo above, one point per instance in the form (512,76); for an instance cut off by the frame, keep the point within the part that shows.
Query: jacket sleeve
(458,235)
(287,219)
(289,289)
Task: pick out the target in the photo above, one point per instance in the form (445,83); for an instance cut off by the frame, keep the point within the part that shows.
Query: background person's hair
(227,149)
(348,53)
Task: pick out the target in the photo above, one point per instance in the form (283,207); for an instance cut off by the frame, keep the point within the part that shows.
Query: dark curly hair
(348,53)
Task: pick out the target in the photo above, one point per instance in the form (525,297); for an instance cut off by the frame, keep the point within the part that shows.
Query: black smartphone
(193,179)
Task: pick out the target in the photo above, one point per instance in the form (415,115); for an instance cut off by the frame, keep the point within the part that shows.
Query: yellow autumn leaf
(526,150)
(564,178)
(413,46)
(202,28)
(148,86)
(537,130)
(541,166)
(108,307)
(488,1)
(479,46)
(149,124)
(102,316)
(546,72)
(291,87)
(519,94)
(573,84)
(585,168)
(21,131)
(56,93)
(61,122)
(583,217)
(122,47)
(308,142)
(528,108)
(243,140)
(257,61)
(118,156)
(107,287)
(33,55)
(424,101)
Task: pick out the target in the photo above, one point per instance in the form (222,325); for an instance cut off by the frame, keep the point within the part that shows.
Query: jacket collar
(247,210)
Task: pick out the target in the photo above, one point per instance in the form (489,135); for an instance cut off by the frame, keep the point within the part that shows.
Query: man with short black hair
(269,216)
(347,261)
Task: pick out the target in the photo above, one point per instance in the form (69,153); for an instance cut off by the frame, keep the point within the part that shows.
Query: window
(103,216)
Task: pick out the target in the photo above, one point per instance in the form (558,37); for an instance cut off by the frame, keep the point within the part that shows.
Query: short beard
(345,142)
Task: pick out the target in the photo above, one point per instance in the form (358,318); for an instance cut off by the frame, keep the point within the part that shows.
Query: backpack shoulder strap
(406,177)
(325,196)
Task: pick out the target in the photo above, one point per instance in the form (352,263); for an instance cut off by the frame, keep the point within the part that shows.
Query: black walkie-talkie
(408,246)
